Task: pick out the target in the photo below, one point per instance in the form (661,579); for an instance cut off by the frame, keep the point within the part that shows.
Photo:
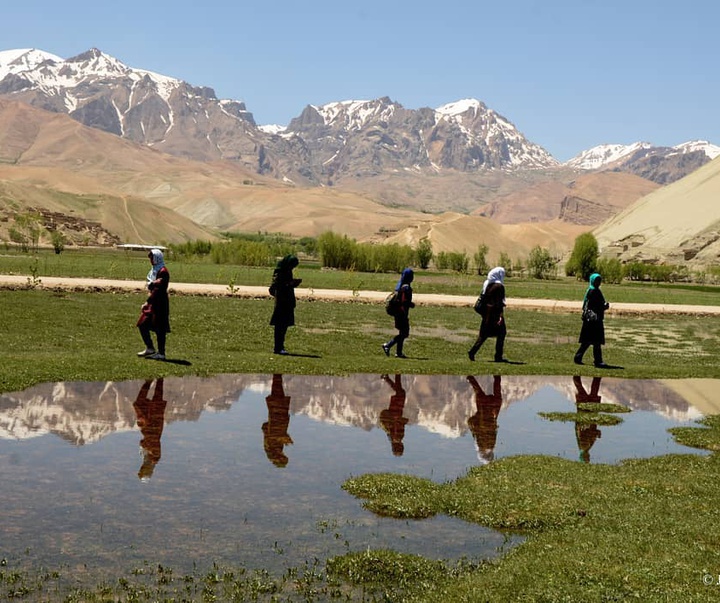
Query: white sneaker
(146,352)
(157,356)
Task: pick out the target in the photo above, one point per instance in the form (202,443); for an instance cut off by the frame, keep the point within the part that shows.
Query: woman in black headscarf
(283,290)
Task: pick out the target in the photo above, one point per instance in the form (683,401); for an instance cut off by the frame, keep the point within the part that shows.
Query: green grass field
(60,336)
(642,530)
(133,265)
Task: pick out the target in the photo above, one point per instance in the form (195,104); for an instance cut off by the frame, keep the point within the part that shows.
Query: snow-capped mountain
(604,154)
(693,146)
(485,127)
(152,109)
(364,138)
(325,143)
(662,165)
(85,412)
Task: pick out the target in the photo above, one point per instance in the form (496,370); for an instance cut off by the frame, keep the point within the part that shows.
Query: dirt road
(422,299)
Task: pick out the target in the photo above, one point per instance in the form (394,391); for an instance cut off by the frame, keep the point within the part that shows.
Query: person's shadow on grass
(300,355)
(176,361)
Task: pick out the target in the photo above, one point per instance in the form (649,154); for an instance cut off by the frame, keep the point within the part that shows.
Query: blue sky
(569,74)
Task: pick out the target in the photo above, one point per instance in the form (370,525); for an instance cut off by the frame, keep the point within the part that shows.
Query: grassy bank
(62,336)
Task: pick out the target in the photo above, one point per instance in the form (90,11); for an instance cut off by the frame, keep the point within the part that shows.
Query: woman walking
(155,312)
(592,332)
(402,313)
(283,290)
(492,311)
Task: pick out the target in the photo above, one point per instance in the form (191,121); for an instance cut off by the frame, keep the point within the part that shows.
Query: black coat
(493,321)
(405,302)
(159,301)
(593,332)
(283,289)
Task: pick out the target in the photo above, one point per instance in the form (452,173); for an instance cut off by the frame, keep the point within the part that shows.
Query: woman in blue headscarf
(402,314)
(155,312)
(592,332)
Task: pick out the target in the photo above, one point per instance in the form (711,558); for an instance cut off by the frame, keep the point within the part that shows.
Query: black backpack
(392,303)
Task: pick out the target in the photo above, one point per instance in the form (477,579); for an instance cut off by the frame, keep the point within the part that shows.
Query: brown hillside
(459,232)
(675,223)
(141,195)
(587,199)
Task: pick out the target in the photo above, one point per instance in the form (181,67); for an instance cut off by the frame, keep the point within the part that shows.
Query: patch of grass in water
(583,418)
(640,530)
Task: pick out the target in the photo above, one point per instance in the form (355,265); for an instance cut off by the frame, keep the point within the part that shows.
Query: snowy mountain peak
(17,61)
(460,107)
(607,154)
(53,72)
(485,127)
(604,154)
(354,114)
(691,146)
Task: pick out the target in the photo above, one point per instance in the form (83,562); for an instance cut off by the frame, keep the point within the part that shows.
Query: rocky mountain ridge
(324,145)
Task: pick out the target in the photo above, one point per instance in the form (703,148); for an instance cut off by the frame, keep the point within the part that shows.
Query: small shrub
(611,270)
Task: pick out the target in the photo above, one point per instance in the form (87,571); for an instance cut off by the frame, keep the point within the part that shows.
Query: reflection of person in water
(483,424)
(151,420)
(586,434)
(275,435)
(582,395)
(392,419)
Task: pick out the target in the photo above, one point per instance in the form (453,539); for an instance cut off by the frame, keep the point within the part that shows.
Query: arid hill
(136,194)
(677,223)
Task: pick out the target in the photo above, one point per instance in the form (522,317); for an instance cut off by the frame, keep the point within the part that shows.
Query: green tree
(540,263)
(424,253)
(480,258)
(27,231)
(58,241)
(584,257)
(506,263)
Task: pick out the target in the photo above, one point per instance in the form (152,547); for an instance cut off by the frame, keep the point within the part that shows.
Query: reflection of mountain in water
(82,412)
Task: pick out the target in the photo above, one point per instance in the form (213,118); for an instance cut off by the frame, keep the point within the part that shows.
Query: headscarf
(496,275)
(591,285)
(406,278)
(158,262)
(287,263)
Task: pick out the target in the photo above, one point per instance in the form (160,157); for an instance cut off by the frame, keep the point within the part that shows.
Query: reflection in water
(582,395)
(483,424)
(151,420)
(585,433)
(392,419)
(586,436)
(65,448)
(275,434)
